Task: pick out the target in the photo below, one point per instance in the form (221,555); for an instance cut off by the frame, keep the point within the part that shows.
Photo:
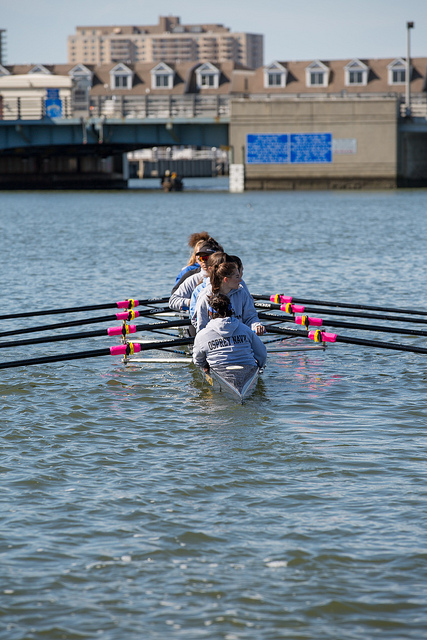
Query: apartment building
(168,41)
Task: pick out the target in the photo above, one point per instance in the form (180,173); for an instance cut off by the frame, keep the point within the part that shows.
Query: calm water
(134,504)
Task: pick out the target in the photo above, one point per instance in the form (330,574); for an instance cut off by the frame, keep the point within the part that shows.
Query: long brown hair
(219,272)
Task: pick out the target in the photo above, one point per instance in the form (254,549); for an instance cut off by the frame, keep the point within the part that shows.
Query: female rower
(225,278)
(226,340)
(181,294)
(195,241)
(214,260)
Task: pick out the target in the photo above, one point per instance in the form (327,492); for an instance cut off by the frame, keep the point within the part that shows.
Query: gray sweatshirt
(181,297)
(241,301)
(227,341)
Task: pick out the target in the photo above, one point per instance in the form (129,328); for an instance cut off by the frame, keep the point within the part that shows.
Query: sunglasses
(205,257)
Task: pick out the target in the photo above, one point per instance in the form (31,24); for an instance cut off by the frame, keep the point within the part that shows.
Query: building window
(162,81)
(274,79)
(162,76)
(207,80)
(275,75)
(397,72)
(356,73)
(355,77)
(316,78)
(317,74)
(399,76)
(121,77)
(120,82)
(207,76)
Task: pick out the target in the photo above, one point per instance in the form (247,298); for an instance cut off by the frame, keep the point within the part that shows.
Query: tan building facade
(362,135)
(169,41)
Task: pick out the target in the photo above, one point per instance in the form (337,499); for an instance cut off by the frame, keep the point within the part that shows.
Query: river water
(136,504)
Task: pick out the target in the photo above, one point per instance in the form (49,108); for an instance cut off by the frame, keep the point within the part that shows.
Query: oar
(112,331)
(294,308)
(123,304)
(76,323)
(321,336)
(123,349)
(285,299)
(307,321)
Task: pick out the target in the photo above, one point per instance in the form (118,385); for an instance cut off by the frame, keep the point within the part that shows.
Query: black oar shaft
(350,340)
(345,305)
(77,323)
(80,355)
(381,345)
(351,325)
(350,314)
(57,358)
(90,334)
(90,307)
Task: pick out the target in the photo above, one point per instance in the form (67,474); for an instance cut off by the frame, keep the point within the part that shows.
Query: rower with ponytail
(225,278)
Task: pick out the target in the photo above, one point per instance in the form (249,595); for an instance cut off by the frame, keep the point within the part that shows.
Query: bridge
(90,152)
(88,149)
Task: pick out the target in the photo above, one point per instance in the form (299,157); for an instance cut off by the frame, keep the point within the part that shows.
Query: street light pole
(409,26)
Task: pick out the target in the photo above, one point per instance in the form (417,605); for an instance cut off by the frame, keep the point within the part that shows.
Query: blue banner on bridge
(285,148)
(53,104)
(53,108)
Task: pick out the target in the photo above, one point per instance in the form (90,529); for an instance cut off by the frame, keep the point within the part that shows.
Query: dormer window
(81,72)
(162,76)
(39,68)
(356,73)
(317,74)
(396,71)
(121,77)
(207,76)
(275,75)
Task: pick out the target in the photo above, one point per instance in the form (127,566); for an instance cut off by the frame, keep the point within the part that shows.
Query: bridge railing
(141,107)
(31,108)
(418,109)
(189,106)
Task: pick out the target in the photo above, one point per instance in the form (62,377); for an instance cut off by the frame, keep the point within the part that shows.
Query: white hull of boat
(236,382)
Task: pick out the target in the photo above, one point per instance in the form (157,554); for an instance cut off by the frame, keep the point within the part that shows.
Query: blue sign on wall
(284,148)
(267,148)
(311,147)
(53,108)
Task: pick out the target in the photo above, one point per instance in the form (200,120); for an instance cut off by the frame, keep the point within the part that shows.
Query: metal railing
(170,106)
(188,106)
(29,108)
(119,107)
(417,109)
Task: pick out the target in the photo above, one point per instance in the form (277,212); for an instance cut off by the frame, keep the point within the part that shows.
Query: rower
(181,293)
(214,260)
(195,241)
(226,340)
(225,278)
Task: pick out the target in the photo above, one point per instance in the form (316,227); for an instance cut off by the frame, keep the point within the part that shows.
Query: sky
(37,30)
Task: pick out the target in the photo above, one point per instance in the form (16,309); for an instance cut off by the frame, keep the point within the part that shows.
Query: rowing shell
(237,382)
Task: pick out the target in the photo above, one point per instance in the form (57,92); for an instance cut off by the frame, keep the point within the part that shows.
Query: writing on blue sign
(311,147)
(285,148)
(267,148)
